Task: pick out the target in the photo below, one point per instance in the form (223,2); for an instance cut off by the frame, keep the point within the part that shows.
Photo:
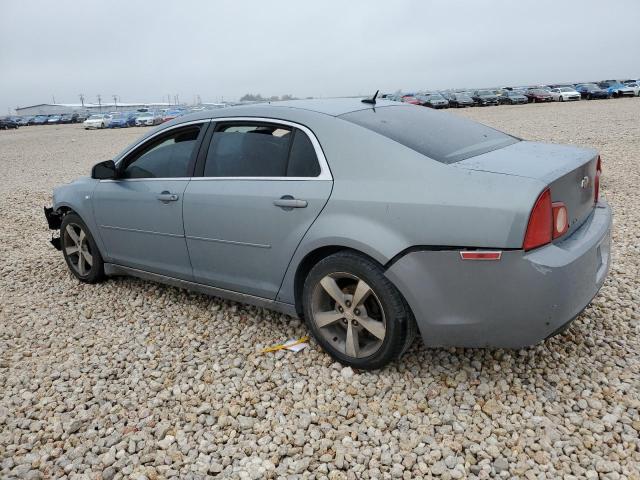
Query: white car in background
(148,119)
(98,120)
(564,94)
(635,86)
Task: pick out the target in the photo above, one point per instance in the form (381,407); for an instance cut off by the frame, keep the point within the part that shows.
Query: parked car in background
(460,100)
(8,123)
(98,120)
(40,119)
(148,119)
(410,99)
(53,120)
(635,87)
(591,91)
(564,94)
(69,118)
(536,95)
(24,121)
(171,114)
(122,120)
(82,116)
(485,98)
(521,223)
(432,100)
(511,97)
(617,89)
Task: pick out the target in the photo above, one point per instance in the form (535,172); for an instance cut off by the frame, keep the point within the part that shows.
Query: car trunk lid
(568,171)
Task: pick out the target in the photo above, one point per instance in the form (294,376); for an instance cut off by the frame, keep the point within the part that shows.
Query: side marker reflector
(475,255)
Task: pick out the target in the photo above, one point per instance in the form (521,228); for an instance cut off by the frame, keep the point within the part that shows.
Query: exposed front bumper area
(514,302)
(54,221)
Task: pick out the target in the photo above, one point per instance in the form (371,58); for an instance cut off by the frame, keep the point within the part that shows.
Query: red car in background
(536,95)
(410,99)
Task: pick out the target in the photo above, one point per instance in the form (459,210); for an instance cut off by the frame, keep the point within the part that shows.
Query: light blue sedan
(374,221)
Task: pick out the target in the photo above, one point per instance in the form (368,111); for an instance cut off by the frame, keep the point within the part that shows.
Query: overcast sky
(146,50)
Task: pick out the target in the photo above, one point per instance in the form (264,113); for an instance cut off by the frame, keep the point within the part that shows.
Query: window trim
(325,172)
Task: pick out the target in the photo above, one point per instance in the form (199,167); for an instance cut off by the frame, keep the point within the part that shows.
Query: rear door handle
(167,197)
(288,202)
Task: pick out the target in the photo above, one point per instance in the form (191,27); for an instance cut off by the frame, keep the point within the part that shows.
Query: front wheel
(80,250)
(355,313)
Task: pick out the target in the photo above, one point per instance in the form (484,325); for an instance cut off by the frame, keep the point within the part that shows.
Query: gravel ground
(129,379)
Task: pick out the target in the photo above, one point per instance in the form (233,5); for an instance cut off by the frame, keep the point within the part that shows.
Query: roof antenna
(371,100)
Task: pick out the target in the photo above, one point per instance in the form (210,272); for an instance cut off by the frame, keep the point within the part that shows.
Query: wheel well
(307,264)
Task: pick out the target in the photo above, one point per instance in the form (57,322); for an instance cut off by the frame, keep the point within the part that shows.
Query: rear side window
(260,150)
(443,137)
(302,158)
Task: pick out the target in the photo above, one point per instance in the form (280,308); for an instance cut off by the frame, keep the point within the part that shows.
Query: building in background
(60,108)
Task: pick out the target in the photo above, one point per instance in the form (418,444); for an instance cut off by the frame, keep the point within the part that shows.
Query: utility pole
(115,101)
(99,103)
(177,99)
(54,99)
(82,100)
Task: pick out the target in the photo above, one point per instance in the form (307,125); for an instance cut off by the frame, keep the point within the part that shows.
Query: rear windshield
(444,137)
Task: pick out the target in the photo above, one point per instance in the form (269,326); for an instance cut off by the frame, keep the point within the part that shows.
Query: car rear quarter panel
(387,198)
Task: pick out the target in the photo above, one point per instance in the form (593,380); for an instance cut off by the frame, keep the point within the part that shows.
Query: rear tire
(80,250)
(355,313)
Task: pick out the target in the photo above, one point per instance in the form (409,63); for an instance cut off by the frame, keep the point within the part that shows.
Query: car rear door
(262,184)
(140,213)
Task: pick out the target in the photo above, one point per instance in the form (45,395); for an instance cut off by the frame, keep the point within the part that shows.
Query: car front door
(140,212)
(263,184)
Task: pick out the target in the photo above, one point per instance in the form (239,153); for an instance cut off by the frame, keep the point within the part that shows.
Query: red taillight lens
(560,219)
(540,226)
(596,182)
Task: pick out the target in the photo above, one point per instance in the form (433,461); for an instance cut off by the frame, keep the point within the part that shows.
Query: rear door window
(260,150)
(443,137)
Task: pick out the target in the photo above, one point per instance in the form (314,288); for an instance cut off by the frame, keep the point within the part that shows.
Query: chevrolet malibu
(371,221)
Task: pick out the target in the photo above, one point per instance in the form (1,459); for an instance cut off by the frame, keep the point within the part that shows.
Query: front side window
(260,150)
(171,156)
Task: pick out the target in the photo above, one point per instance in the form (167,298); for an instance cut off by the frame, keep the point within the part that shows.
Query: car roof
(330,106)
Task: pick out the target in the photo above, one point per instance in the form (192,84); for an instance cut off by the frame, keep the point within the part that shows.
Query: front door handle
(167,197)
(287,202)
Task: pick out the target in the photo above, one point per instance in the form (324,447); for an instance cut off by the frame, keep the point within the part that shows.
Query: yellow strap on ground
(282,346)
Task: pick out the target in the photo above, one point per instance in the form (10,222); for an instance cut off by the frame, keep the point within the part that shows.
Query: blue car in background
(617,89)
(590,91)
(122,120)
(40,119)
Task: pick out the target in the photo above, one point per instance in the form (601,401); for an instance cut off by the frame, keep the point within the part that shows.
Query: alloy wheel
(77,249)
(348,314)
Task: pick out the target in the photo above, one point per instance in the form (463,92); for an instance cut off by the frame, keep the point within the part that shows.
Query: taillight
(540,226)
(596,182)
(560,219)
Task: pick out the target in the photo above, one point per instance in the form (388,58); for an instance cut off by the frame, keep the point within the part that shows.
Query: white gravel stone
(129,379)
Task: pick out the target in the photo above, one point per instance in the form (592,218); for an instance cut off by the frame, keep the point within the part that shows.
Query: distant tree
(274,98)
(288,97)
(250,97)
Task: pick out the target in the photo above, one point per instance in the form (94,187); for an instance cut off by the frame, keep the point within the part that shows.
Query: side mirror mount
(104,170)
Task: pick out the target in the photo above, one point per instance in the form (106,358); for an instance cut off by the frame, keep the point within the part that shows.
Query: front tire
(355,313)
(80,250)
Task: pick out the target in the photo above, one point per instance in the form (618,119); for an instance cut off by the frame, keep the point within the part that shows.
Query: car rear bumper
(514,302)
